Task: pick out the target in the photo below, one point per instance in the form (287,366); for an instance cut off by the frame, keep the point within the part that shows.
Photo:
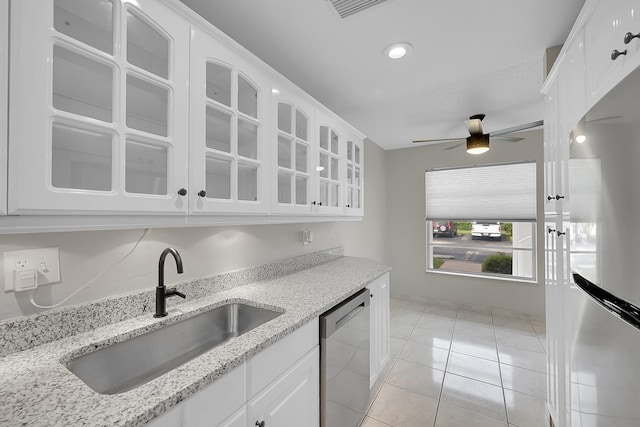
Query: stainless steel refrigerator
(603,300)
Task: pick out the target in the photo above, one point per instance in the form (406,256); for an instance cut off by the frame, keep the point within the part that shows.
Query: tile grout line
(504,396)
(446,365)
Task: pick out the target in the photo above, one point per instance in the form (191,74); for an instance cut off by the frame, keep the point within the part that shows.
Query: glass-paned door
(329,163)
(227,130)
(354,204)
(112,124)
(293,159)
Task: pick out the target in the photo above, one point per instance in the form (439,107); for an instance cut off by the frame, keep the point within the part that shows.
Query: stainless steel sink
(125,365)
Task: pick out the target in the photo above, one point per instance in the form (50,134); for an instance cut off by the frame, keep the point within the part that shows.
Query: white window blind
(496,192)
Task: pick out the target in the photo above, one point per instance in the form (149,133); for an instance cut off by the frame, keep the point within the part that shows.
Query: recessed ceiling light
(580,139)
(397,50)
(275,91)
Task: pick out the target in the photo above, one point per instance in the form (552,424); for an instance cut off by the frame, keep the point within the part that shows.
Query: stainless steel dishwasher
(344,362)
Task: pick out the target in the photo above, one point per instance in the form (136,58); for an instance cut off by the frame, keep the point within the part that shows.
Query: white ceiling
(468,57)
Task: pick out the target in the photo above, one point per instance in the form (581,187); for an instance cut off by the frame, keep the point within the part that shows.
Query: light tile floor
(452,368)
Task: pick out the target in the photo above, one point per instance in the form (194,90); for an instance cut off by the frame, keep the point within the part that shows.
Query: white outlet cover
(45,261)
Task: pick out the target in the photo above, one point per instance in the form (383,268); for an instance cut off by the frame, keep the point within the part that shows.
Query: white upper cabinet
(229,132)
(329,165)
(4,80)
(605,32)
(98,107)
(141,108)
(551,143)
(293,148)
(354,188)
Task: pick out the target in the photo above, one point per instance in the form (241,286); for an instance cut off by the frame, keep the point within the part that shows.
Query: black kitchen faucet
(163,293)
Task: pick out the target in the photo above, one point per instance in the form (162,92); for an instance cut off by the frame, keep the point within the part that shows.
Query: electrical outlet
(20,265)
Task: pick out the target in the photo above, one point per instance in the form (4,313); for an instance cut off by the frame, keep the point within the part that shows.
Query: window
(481,220)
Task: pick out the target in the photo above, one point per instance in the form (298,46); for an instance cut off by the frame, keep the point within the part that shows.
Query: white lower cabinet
(280,386)
(379,333)
(291,400)
(239,419)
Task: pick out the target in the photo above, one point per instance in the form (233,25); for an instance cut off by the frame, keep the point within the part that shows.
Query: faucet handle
(173,291)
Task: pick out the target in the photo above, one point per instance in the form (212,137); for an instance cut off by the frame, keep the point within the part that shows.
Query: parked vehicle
(487,229)
(445,228)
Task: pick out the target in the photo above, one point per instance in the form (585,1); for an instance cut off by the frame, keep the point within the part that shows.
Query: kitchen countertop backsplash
(36,389)
(30,331)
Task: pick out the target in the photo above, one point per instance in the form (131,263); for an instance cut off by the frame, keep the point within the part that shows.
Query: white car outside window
(486,229)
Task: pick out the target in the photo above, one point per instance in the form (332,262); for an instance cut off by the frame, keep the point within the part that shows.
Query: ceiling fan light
(478,144)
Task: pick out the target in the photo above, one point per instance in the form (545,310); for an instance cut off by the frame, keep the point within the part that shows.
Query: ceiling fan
(478,141)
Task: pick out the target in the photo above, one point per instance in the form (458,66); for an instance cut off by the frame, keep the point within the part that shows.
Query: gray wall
(406,228)
(204,250)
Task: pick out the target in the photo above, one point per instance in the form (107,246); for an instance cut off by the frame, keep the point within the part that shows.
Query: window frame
(532,249)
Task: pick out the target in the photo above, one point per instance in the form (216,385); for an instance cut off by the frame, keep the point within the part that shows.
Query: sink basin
(125,365)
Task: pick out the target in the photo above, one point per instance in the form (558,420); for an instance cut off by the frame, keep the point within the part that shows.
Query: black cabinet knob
(260,423)
(630,36)
(348,205)
(615,54)
(182,192)
(202,193)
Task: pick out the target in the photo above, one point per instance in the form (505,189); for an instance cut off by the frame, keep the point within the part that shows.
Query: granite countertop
(36,389)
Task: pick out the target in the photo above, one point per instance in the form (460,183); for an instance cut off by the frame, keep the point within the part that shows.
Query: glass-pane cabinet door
(329,164)
(354,203)
(4,92)
(228,104)
(98,108)
(293,150)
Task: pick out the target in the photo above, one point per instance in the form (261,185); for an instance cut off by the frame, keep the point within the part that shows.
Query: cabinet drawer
(274,360)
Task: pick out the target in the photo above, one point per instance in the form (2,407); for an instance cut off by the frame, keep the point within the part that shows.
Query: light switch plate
(44,261)
(307,237)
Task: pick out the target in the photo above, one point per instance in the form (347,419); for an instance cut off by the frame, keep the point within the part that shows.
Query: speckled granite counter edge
(30,331)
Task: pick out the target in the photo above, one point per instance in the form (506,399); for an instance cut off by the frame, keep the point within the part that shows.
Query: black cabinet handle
(615,54)
(202,193)
(629,37)
(182,192)
(557,197)
(553,230)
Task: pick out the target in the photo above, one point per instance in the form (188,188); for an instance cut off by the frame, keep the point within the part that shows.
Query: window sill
(486,276)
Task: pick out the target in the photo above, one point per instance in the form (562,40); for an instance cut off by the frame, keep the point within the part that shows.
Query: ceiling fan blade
(438,140)
(454,146)
(474,126)
(517,128)
(506,138)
